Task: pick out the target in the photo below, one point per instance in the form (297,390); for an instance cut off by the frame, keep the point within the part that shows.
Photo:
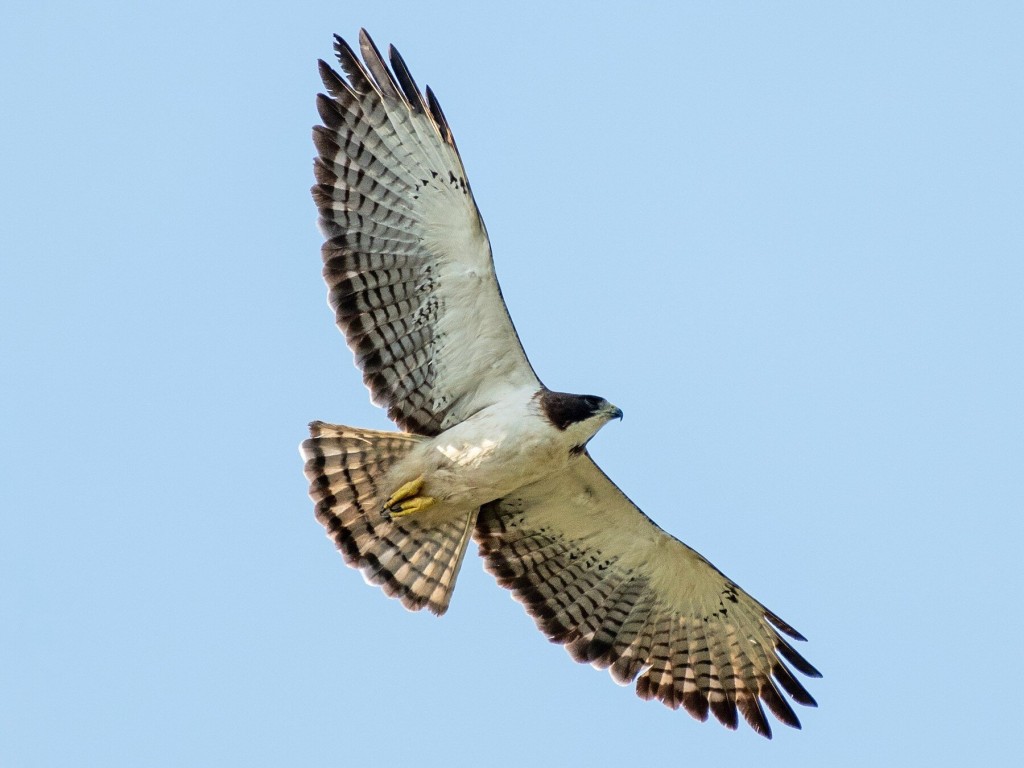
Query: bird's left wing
(600,577)
(407,259)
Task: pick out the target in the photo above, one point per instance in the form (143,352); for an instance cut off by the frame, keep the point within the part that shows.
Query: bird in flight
(486,451)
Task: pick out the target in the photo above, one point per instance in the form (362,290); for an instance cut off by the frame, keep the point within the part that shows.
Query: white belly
(488,456)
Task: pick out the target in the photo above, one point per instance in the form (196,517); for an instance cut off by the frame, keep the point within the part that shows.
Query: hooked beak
(616,414)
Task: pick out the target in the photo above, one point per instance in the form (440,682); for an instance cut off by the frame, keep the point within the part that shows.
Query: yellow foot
(407,491)
(406,500)
(410,506)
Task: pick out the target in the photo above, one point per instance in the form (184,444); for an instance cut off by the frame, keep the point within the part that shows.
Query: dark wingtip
(365,41)
(405,80)
(331,80)
(783,626)
(799,662)
(439,118)
(359,79)
(329,111)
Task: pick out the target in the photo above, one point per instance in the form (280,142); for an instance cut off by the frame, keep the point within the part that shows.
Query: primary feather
(492,452)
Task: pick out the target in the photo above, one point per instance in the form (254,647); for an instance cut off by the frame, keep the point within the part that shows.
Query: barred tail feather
(416,558)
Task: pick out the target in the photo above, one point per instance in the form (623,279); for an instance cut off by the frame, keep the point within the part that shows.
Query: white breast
(494,452)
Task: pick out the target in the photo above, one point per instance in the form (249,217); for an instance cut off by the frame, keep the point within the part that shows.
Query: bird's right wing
(407,260)
(599,577)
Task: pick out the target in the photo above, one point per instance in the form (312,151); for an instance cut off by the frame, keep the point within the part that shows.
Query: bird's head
(579,416)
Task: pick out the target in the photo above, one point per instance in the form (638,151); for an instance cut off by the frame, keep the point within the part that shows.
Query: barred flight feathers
(407,259)
(416,559)
(599,577)
(486,450)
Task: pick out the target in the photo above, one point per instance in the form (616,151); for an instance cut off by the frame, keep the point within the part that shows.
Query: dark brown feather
(412,92)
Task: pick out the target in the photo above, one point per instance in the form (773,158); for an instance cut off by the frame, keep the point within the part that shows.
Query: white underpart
(468,455)
(504,447)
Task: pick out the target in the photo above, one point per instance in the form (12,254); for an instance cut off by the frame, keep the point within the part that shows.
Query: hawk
(486,451)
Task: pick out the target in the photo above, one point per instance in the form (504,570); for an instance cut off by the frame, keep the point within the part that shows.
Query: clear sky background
(786,238)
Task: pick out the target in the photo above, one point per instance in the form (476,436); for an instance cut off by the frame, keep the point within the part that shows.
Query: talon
(406,500)
(410,506)
(407,491)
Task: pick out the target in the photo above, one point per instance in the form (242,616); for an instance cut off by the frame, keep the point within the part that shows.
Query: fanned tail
(416,558)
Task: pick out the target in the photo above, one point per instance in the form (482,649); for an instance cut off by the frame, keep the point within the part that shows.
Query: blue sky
(786,240)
